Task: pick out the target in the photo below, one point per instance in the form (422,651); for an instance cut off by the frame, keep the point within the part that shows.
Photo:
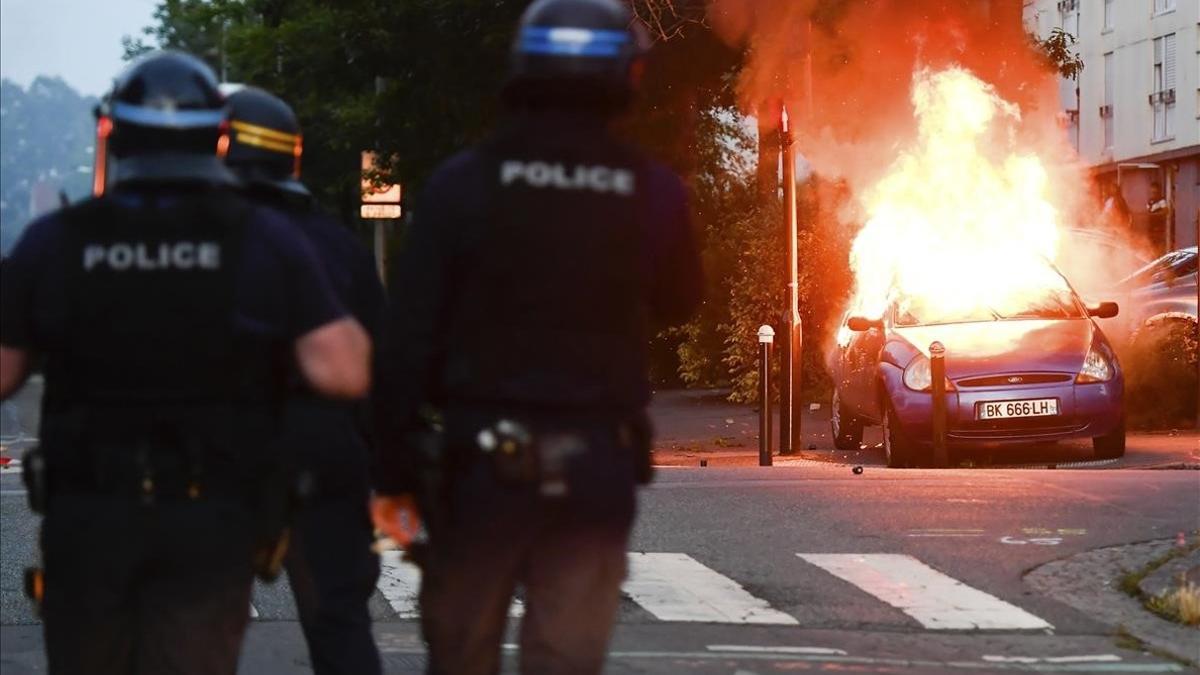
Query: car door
(859,363)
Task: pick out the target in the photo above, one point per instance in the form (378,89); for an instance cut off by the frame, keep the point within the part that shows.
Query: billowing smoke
(846,70)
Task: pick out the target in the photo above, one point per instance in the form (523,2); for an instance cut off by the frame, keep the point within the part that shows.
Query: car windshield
(1170,266)
(1049,304)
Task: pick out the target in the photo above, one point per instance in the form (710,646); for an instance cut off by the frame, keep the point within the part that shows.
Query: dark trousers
(333,571)
(567,553)
(132,588)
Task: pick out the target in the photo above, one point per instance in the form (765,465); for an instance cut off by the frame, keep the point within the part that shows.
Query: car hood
(994,347)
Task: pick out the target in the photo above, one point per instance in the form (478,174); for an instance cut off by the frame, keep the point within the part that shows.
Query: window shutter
(1169,61)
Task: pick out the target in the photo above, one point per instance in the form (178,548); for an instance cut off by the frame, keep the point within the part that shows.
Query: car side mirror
(1103,310)
(860,324)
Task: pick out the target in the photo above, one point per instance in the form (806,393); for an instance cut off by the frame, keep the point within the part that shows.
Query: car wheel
(1110,445)
(897,450)
(847,429)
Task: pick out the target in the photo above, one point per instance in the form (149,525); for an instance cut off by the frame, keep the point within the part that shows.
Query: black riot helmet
(163,121)
(265,144)
(575,53)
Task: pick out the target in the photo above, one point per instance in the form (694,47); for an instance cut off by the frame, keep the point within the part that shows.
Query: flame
(961,225)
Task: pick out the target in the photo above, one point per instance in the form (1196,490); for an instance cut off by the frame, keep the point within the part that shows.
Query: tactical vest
(150,361)
(550,311)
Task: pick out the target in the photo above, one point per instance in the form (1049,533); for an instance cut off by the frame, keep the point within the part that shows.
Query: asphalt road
(802,566)
(735,537)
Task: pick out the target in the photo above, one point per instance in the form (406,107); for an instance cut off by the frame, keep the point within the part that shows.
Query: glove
(397,517)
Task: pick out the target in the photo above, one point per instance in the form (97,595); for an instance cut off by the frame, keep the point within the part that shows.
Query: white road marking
(253,612)
(937,601)
(1083,658)
(400,583)
(675,587)
(757,649)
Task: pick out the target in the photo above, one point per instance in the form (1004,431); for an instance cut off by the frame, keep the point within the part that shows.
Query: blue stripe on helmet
(565,41)
(171,119)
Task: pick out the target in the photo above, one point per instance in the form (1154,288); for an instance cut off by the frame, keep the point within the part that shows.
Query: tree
(46,139)
(1057,52)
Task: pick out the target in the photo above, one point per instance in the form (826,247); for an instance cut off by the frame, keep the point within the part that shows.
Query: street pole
(937,381)
(380,251)
(790,405)
(766,335)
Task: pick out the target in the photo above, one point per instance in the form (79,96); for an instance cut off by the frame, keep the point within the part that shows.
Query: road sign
(379,211)
(372,193)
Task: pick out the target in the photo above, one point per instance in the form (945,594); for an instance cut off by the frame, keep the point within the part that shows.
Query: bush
(1161,377)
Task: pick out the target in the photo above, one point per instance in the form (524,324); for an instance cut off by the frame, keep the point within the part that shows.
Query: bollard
(766,336)
(937,380)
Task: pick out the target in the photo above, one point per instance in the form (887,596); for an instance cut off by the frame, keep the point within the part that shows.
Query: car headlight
(918,376)
(1096,367)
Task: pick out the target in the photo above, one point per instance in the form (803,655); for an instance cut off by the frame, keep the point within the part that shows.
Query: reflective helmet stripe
(572,41)
(266,138)
(266,132)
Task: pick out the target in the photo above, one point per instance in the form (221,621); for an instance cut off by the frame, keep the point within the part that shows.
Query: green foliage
(1058,53)
(1162,382)
(418,80)
(46,138)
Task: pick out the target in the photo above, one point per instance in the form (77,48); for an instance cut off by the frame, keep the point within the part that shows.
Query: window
(1108,15)
(1068,16)
(1163,6)
(1106,110)
(1162,98)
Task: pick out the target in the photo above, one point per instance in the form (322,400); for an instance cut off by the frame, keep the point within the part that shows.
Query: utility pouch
(33,474)
(510,448)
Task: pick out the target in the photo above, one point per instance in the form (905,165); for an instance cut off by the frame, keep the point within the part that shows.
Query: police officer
(330,565)
(166,311)
(534,273)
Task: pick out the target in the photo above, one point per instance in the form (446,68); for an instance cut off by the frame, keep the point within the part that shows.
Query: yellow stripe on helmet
(266,132)
(266,143)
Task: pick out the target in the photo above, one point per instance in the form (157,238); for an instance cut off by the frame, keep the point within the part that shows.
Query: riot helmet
(265,144)
(163,121)
(575,53)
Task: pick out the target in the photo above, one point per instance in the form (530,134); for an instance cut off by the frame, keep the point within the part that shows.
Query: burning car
(1036,368)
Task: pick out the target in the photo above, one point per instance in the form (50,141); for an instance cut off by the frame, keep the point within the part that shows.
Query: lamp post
(790,437)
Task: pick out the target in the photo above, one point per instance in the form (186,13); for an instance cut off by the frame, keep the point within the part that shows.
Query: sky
(77,40)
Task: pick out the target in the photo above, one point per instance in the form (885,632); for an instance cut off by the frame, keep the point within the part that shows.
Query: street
(809,566)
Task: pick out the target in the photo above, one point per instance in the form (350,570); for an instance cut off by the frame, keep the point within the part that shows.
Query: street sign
(379,211)
(387,193)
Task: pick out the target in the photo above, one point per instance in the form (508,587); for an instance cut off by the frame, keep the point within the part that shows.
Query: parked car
(1043,371)
(1093,260)
(1161,292)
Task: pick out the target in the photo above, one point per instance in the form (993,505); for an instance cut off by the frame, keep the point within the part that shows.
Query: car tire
(1110,445)
(897,449)
(847,429)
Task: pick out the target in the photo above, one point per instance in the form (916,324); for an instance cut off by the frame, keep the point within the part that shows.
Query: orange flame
(962,223)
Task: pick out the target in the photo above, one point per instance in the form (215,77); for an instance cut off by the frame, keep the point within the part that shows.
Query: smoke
(846,69)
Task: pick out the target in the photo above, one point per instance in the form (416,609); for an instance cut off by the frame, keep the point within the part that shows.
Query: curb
(1090,583)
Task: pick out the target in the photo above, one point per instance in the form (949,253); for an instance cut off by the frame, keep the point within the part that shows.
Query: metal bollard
(937,378)
(766,337)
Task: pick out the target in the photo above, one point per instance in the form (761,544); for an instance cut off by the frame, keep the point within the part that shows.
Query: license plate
(999,410)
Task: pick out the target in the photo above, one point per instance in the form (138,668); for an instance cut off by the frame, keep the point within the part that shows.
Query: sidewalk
(694,425)
(700,424)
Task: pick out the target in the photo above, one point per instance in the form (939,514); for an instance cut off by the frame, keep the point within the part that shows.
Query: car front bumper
(1085,411)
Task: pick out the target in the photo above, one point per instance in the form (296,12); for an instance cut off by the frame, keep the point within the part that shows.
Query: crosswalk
(676,587)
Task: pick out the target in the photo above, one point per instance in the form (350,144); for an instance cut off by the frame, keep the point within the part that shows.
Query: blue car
(1039,371)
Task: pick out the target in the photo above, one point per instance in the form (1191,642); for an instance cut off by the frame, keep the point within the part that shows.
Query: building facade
(1134,113)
